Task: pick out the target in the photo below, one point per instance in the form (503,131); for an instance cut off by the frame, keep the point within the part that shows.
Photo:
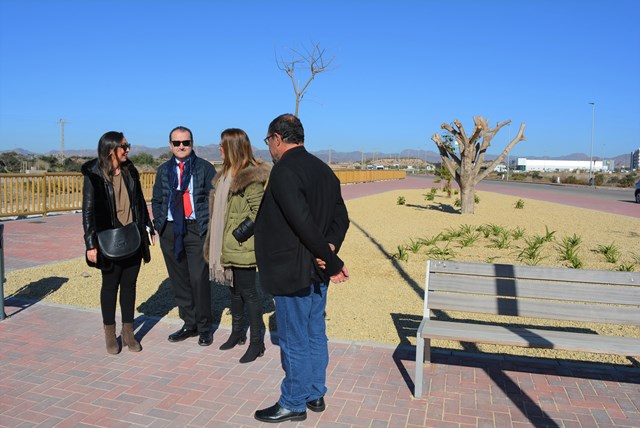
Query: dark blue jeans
(303,345)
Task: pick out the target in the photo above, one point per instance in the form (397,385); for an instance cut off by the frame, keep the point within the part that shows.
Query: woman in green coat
(229,246)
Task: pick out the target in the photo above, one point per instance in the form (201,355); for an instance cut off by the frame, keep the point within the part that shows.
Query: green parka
(245,194)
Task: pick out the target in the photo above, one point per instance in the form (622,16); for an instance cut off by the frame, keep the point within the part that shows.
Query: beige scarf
(218,273)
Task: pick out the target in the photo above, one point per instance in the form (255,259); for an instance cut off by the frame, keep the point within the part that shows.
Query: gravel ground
(382,301)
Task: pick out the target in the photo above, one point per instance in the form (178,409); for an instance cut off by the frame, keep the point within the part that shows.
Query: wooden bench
(589,296)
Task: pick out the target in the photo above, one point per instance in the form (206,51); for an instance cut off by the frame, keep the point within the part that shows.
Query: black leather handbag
(244,230)
(119,243)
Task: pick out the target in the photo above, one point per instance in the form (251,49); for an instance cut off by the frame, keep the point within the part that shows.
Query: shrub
(400,200)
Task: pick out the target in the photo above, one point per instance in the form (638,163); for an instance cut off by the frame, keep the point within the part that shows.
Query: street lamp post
(509,152)
(593,121)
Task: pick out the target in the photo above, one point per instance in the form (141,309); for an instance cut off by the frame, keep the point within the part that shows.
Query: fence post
(2,314)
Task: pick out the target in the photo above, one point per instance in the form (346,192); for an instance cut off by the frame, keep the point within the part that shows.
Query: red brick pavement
(54,371)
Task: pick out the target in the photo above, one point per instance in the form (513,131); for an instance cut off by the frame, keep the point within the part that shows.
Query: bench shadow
(497,367)
(34,292)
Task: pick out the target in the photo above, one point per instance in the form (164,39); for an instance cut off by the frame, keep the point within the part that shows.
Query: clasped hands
(341,276)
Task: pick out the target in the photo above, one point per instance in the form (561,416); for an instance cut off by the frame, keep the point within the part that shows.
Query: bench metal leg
(417,393)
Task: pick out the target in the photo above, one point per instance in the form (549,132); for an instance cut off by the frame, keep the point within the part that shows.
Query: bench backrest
(533,291)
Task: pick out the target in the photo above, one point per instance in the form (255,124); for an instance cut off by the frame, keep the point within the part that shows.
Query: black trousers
(121,274)
(244,293)
(189,278)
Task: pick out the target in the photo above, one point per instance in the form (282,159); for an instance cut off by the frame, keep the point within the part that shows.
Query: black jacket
(99,206)
(202,174)
(302,211)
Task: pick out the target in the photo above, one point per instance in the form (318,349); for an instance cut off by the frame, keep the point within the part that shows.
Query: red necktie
(186,200)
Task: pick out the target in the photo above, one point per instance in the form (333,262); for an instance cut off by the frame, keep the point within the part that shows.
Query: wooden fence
(29,194)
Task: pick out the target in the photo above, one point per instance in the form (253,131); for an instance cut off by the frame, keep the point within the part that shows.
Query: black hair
(289,127)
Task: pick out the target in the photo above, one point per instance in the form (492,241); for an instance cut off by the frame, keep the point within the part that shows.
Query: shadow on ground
(34,292)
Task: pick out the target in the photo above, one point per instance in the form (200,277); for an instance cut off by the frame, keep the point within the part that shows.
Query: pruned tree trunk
(469,168)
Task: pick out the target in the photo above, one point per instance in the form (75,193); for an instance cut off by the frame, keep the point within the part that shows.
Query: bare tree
(313,60)
(469,168)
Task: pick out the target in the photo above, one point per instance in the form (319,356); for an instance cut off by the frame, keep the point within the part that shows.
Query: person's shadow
(154,308)
(33,292)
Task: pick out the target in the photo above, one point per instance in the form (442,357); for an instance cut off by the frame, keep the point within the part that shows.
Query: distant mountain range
(211,152)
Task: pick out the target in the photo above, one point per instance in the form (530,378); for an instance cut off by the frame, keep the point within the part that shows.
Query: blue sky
(401,69)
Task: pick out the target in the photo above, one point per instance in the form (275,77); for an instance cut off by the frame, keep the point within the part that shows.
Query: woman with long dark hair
(234,201)
(112,198)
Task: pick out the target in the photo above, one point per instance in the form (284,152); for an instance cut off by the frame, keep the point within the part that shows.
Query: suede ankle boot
(128,338)
(255,350)
(236,338)
(110,339)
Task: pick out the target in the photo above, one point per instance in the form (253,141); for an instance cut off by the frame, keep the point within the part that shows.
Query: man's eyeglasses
(125,146)
(177,143)
(266,140)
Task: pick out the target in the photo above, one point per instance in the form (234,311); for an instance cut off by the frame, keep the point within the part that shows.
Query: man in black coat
(299,229)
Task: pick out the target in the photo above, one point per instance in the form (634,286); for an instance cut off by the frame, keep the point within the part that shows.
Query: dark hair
(107,145)
(288,127)
(182,128)
(237,150)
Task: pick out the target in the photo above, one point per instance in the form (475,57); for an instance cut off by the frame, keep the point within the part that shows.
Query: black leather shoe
(182,334)
(316,405)
(205,339)
(276,414)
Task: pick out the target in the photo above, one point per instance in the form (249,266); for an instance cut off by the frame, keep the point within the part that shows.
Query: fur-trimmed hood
(251,174)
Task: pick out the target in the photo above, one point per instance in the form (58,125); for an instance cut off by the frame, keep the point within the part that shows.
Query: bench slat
(536,272)
(534,308)
(552,290)
(515,336)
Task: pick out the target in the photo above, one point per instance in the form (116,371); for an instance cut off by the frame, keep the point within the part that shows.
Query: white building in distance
(551,165)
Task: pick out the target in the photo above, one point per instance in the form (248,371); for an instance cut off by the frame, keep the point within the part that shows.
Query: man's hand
(321,263)
(92,255)
(341,276)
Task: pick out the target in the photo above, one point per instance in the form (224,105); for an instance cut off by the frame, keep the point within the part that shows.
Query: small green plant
(610,252)
(429,196)
(430,241)
(469,239)
(569,250)
(496,229)
(450,234)
(519,204)
(440,253)
(501,241)
(400,200)
(531,254)
(626,267)
(476,199)
(457,203)
(548,236)
(414,246)
(485,230)
(401,254)
(466,229)
(517,233)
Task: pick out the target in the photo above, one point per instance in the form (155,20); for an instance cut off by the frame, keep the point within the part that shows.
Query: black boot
(254,351)
(238,336)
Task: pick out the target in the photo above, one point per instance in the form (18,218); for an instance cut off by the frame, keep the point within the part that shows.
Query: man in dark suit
(180,205)
(299,229)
